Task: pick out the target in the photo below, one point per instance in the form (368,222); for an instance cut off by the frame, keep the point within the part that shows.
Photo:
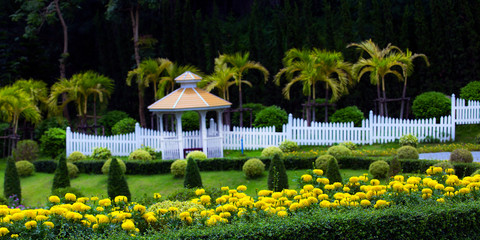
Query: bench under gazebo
(190,98)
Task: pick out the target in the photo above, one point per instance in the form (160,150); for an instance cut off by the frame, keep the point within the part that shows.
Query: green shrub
(61,179)
(395,167)
(461,155)
(444,165)
(339,151)
(322,162)
(408,140)
(110,118)
(25,168)
(477,139)
(431,105)
(124,126)
(117,184)
(277,174)
(72,170)
(271,151)
(49,123)
(192,175)
(256,108)
(140,154)
(53,141)
(197,155)
(476,172)
(348,114)
(106,166)
(101,153)
(253,168)
(190,121)
(350,145)
(11,180)
(288,146)
(271,116)
(26,150)
(379,169)
(76,156)
(471,91)
(150,151)
(60,192)
(178,168)
(333,171)
(407,152)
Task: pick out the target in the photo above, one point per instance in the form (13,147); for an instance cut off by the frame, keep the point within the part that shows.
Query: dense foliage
(25,168)
(348,114)
(53,142)
(288,146)
(101,153)
(124,126)
(253,168)
(471,91)
(431,105)
(190,121)
(461,155)
(271,116)
(11,181)
(117,184)
(407,152)
(76,156)
(178,168)
(106,166)
(26,150)
(110,119)
(379,169)
(140,154)
(277,174)
(192,175)
(333,171)
(61,178)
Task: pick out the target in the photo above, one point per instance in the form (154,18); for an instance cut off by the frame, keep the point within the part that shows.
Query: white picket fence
(375,129)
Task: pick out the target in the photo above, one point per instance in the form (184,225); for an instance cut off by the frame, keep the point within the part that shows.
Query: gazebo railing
(170,149)
(214,147)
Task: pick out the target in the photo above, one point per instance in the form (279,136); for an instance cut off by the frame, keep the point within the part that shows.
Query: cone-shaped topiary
(277,175)
(333,171)
(117,184)
(61,178)
(395,167)
(192,175)
(11,182)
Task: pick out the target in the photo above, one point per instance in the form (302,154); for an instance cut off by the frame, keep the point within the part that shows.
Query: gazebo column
(160,128)
(203,130)
(220,129)
(178,116)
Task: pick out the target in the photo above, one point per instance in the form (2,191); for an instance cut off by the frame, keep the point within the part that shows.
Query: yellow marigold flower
(128,225)
(325,204)
(374,182)
(70,197)
(337,184)
(49,224)
(449,189)
(139,208)
(277,195)
(184,215)
(294,206)
(3,231)
(398,178)
(318,172)
(365,203)
(308,187)
(31,224)
(224,188)
(102,218)
(105,202)
(205,199)
(40,218)
(99,209)
(82,199)
(14,236)
(242,188)
(151,219)
(441,200)
(432,183)
(323,181)
(439,187)
(346,189)
(80,207)
(199,191)
(312,200)
(353,179)
(121,199)
(306,177)
(225,214)
(380,204)
(437,170)
(17,216)
(329,187)
(361,195)
(464,190)
(397,187)
(73,215)
(450,171)
(94,198)
(282,213)
(54,199)
(157,196)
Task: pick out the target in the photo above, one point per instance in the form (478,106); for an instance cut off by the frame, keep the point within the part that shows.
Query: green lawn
(36,188)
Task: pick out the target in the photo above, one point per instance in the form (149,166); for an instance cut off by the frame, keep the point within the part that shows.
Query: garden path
(445,156)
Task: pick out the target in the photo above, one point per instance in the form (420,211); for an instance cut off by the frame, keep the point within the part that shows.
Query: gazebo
(190,98)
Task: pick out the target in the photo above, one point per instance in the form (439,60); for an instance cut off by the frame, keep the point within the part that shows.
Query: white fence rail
(375,129)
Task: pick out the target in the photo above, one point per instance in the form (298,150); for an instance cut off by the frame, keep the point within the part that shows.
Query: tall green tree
(240,63)
(11,181)
(277,175)
(60,178)
(16,103)
(37,90)
(221,79)
(117,184)
(173,70)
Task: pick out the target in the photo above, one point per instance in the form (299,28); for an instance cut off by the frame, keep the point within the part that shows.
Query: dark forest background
(196,31)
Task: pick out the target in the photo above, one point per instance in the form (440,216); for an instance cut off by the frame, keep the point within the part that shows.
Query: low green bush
(25,168)
(339,151)
(461,156)
(477,139)
(124,126)
(140,154)
(26,150)
(379,169)
(197,155)
(408,140)
(101,153)
(49,123)
(271,151)
(150,151)
(288,146)
(110,119)
(271,116)
(53,142)
(72,170)
(407,152)
(253,168)
(350,145)
(348,114)
(471,91)
(106,166)
(322,162)
(431,105)
(76,156)
(178,168)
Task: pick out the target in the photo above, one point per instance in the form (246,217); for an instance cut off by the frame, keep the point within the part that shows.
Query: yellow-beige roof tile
(189,98)
(188,76)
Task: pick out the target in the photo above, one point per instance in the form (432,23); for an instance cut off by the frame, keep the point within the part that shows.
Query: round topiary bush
(124,126)
(140,154)
(25,168)
(106,166)
(271,116)
(322,162)
(76,156)
(253,168)
(339,151)
(197,155)
(178,168)
(407,152)
(349,145)
(190,121)
(444,165)
(270,151)
(408,140)
(110,119)
(101,153)
(53,141)
(461,155)
(379,169)
(72,170)
(348,114)
(430,105)
(150,150)
(471,91)
(26,150)
(288,146)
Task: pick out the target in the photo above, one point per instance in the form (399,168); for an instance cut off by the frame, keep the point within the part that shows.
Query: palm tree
(220,79)
(240,64)
(16,103)
(36,89)
(380,63)
(407,60)
(167,81)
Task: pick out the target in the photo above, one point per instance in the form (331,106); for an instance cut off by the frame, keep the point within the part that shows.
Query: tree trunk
(134,15)
(404,93)
(141,107)
(240,105)
(380,103)
(64,56)
(95,113)
(326,103)
(384,97)
(307,107)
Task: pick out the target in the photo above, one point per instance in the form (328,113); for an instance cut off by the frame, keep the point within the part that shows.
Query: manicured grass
(37,188)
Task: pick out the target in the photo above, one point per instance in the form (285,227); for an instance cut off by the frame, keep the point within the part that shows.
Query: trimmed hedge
(225,164)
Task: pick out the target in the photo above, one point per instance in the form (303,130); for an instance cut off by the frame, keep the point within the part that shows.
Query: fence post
(370,123)
(289,127)
(138,136)
(454,116)
(68,140)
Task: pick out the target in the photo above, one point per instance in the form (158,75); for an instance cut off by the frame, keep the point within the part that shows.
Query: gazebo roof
(188,97)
